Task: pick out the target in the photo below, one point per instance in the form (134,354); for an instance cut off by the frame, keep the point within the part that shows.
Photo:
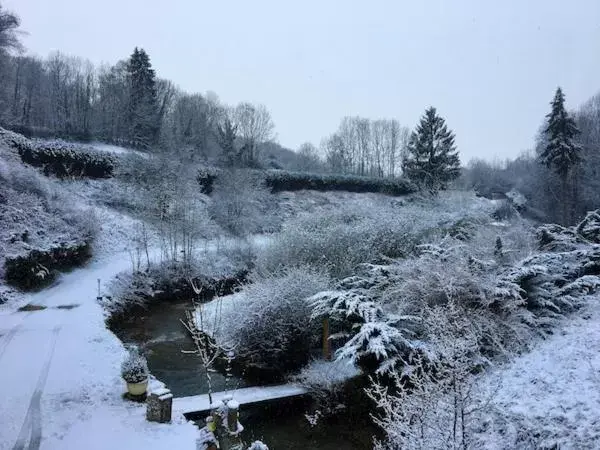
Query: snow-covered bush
(270,328)
(379,312)
(430,323)
(258,445)
(134,368)
(241,204)
(338,241)
(434,401)
(42,229)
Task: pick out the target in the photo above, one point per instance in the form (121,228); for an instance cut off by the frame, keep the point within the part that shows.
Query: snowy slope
(551,395)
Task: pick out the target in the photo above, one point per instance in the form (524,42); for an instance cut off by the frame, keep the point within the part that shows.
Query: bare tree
(309,158)
(254,126)
(9,33)
(199,324)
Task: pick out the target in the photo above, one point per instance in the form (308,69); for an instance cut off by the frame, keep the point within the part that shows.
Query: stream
(159,333)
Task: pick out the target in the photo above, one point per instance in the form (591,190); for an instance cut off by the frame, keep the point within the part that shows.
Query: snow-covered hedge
(66,160)
(39,268)
(280,180)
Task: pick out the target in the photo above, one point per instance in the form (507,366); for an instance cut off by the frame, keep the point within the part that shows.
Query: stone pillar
(233,409)
(159,406)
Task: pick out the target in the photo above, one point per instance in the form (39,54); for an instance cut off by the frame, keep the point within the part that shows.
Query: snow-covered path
(551,395)
(60,375)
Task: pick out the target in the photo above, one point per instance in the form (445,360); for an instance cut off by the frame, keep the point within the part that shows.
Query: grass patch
(71,306)
(31,307)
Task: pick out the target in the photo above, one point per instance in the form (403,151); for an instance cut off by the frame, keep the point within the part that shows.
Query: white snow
(116,149)
(198,403)
(327,374)
(80,404)
(551,393)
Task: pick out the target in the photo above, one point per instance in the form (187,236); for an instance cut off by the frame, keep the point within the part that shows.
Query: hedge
(39,268)
(280,180)
(62,159)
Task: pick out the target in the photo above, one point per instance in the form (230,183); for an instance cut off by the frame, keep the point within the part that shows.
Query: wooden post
(159,406)
(326,342)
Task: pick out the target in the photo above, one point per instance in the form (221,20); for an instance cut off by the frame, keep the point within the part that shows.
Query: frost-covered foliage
(134,368)
(217,274)
(381,308)
(340,240)
(428,323)
(270,328)
(241,204)
(34,214)
(66,160)
(435,400)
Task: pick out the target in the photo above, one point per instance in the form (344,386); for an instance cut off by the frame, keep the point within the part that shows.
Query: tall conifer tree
(142,110)
(432,159)
(561,152)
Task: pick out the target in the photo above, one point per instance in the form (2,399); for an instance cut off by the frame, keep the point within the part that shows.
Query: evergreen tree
(432,159)
(226,136)
(143,109)
(561,153)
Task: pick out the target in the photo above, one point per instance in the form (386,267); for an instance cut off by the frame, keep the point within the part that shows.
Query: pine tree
(226,136)
(432,159)
(143,109)
(561,153)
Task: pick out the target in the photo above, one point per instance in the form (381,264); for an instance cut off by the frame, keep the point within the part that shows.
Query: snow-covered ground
(60,379)
(108,148)
(550,397)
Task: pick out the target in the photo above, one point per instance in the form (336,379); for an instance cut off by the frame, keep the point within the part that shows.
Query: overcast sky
(489,67)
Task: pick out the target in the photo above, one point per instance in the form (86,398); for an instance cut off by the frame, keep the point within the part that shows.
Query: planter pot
(137,388)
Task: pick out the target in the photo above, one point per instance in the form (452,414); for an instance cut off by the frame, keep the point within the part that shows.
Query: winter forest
(162,250)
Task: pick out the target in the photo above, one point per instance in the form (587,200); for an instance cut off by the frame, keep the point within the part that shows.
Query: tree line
(125,103)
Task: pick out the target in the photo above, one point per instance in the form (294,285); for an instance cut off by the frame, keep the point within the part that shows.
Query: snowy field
(550,397)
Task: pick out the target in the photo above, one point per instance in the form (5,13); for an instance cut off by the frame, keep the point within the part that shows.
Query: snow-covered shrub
(326,381)
(241,204)
(206,177)
(127,290)
(380,312)
(271,328)
(338,241)
(434,401)
(134,368)
(589,227)
(258,445)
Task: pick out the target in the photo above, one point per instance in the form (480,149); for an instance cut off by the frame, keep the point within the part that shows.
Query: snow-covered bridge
(244,396)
